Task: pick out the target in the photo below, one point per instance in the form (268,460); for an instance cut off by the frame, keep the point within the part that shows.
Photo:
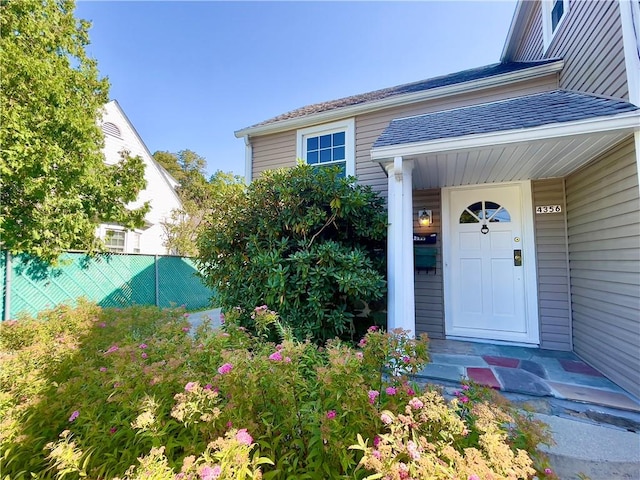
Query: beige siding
(554,304)
(531,46)
(371,125)
(428,284)
(590,42)
(273,151)
(603,216)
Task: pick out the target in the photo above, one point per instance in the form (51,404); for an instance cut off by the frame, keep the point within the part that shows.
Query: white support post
(401,296)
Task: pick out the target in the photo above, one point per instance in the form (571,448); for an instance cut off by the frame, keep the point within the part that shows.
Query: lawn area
(134,393)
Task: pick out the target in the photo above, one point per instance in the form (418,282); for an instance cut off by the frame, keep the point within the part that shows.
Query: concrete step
(598,452)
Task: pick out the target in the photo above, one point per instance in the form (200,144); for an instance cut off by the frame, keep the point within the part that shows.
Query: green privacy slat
(111,280)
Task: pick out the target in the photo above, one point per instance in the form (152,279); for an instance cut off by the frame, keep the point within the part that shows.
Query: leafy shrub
(135,393)
(304,241)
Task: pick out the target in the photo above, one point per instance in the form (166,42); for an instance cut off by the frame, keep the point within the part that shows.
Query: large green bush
(307,243)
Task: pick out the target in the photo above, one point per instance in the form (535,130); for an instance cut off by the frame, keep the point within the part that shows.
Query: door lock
(517,258)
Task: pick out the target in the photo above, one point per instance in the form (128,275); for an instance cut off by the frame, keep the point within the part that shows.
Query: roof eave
(516,29)
(399,100)
(625,121)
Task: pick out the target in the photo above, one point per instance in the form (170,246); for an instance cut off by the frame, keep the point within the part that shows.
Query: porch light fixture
(424,218)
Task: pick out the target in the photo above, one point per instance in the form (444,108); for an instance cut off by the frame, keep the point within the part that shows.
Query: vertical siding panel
(553,266)
(428,285)
(603,217)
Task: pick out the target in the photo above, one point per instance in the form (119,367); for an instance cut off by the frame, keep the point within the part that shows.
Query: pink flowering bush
(207,404)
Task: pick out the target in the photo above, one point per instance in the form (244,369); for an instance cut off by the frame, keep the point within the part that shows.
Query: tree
(198,195)
(305,242)
(55,187)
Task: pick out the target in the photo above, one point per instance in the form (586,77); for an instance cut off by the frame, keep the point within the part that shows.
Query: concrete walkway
(213,315)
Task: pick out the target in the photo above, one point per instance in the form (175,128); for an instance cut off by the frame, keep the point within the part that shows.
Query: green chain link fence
(110,280)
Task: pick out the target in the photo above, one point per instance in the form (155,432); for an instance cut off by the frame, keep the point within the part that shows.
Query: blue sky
(188,74)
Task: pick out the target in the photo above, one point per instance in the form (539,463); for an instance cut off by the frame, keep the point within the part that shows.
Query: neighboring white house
(120,135)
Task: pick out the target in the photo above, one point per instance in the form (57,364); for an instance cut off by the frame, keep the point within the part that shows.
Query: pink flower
(116,385)
(142,345)
(113,430)
(416,403)
(372,328)
(406,359)
(103,369)
(229,425)
(376,454)
(376,441)
(226,368)
(412,449)
(275,356)
(331,414)
(185,329)
(464,399)
(373,394)
(144,355)
(287,359)
(186,315)
(465,387)
(359,355)
(102,325)
(548,471)
(210,473)
(208,386)
(112,348)
(190,386)
(410,391)
(243,437)
(390,390)
(362,342)
(222,318)
(386,419)
(74,415)
(474,477)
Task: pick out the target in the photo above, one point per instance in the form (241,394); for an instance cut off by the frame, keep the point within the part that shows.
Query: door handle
(517,258)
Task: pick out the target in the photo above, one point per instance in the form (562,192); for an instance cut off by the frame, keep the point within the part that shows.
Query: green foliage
(55,186)
(304,241)
(199,197)
(133,393)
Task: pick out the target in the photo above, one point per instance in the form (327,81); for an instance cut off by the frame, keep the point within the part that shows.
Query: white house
(120,135)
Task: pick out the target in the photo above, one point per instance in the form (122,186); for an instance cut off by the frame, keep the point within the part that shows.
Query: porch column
(401,295)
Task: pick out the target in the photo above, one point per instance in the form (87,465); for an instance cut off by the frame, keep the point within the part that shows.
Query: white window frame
(548,33)
(347,126)
(118,230)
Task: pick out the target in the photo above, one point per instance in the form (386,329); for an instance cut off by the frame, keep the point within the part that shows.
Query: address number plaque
(548,209)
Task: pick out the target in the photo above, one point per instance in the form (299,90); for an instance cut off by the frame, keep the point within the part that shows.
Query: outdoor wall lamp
(424,218)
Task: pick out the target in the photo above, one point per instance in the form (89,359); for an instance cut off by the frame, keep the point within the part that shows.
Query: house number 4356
(549,209)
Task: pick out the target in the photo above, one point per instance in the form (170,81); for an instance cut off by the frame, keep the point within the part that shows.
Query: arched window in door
(484,211)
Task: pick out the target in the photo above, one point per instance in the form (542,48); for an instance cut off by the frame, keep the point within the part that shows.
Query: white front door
(487,265)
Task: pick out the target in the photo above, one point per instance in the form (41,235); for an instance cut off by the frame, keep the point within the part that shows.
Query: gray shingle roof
(557,106)
(422,85)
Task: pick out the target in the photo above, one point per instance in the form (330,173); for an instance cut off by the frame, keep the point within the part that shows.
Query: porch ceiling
(537,159)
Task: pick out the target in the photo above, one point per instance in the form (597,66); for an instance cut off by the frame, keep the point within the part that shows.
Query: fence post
(8,275)
(157,281)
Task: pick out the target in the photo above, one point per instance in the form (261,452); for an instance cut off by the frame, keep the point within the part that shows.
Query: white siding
(603,215)
(158,191)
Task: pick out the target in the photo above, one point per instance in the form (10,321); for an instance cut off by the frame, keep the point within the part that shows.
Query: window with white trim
(136,242)
(553,13)
(114,240)
(329,144)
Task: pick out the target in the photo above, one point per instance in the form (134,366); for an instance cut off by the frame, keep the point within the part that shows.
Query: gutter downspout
(248,160)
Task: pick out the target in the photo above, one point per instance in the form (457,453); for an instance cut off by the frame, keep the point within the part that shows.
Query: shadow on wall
(110,280)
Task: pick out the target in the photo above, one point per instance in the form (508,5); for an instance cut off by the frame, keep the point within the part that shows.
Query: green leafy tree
(199,197)
(305,242)
(55,187)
